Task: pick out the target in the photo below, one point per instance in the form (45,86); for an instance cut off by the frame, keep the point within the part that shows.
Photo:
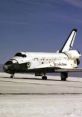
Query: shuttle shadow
(30,78)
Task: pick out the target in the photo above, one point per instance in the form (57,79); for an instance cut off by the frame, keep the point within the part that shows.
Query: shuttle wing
(48,68)
(69,70)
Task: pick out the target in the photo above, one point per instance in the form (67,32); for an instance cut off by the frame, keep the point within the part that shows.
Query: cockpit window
(20,55)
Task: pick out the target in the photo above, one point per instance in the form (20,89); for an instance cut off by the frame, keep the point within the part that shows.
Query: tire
(44,77)
(64,76)
(12,76)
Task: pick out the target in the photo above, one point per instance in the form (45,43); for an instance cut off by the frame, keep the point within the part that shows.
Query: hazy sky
(38,25)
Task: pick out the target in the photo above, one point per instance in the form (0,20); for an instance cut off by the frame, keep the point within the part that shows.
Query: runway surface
(29,96)
(29,84)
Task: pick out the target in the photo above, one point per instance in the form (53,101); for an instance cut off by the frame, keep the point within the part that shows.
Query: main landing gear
(44,77)
(64,76)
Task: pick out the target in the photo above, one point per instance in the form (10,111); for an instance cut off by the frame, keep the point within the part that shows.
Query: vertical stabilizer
(69,42)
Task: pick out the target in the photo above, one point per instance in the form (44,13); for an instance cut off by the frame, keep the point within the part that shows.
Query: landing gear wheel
(12,76)
(44,77)
(64,76)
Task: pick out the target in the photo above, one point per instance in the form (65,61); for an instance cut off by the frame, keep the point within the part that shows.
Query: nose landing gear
(12,76)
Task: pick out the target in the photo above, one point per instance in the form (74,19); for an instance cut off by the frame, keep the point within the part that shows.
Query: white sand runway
(27,96)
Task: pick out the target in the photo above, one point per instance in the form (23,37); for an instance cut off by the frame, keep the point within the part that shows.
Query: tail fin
(69,42)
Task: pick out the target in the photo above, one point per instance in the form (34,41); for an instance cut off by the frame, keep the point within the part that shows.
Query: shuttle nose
(9,65)
(5,67)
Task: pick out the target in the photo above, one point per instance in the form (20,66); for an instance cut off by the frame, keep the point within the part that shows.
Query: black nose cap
(7,65)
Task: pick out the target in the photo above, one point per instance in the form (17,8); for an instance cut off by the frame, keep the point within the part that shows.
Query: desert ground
(29,96)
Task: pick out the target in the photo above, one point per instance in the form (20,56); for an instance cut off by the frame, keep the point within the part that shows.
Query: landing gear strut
(64,76)
(44,77)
